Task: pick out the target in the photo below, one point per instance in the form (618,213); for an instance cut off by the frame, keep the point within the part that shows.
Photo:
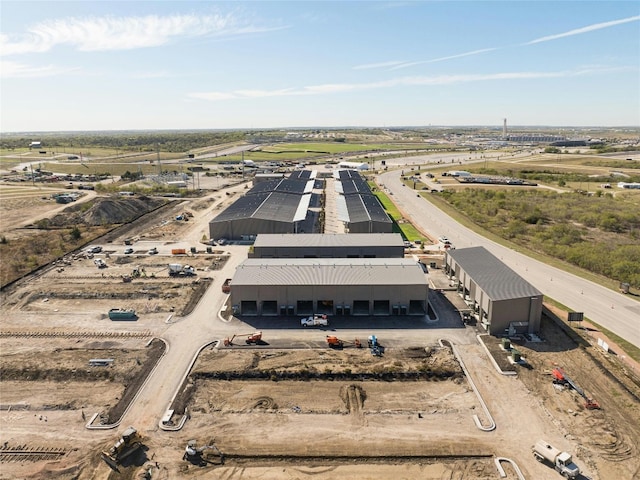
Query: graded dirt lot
(291,408)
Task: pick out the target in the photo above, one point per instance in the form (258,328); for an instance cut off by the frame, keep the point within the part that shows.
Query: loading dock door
(416,307)
(249,307)
(305,307)
(361,307)
(270,307)
(381,307)
(325,307)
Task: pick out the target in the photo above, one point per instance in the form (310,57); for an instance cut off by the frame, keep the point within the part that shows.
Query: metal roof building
(358,208)
(262,211)
(336,286)
(354,245)
(503,301)
(282,206)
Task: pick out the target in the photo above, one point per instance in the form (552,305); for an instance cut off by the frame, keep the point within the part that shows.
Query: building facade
(503,302)
(331,286)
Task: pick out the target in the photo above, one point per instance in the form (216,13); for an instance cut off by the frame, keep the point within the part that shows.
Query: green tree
(76,234)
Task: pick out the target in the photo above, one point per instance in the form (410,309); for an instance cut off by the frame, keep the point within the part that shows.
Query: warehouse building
(278,206)
(289,205)
(330,286)
(503,301)
(354,245)
(358,208)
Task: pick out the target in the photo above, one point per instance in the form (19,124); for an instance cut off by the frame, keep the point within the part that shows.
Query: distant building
(634,186)
(354,165)
(177,184)
(35,145)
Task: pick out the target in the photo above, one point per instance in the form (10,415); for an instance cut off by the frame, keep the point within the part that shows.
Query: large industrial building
(331,286)
(283,206)
(502,300)
(358,208)
(316,245)
(277,206)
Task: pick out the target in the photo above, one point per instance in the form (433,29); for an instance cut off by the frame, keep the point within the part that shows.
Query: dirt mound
(107,210)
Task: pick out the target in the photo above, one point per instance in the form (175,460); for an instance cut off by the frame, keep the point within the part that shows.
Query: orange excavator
(561,378)
(254,337)
(335,342)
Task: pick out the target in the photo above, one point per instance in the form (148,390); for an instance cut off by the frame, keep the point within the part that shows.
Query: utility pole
(158,158)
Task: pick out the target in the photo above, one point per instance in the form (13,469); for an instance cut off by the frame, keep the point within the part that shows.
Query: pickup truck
(226,286)
(315,321)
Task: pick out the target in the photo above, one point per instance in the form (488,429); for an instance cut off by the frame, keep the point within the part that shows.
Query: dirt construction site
(434,404)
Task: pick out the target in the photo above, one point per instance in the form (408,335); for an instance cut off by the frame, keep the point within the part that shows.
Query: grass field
(407,229)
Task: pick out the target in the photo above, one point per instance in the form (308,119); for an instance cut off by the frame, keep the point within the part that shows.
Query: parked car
(94,249)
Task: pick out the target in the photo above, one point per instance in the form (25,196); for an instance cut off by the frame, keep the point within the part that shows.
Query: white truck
(179,270)
(561,461)
(315,321)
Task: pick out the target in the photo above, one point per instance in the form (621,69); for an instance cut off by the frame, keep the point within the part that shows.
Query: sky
(147,65)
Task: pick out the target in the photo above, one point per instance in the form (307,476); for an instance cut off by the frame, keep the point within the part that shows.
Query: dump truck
(126,445)
(179,270)
(561,461)
(315,321)
(226,286)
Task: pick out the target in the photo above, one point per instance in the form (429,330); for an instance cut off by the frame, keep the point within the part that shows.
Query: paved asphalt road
(614,311)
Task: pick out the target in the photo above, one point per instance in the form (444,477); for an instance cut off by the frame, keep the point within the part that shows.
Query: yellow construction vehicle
(127,444)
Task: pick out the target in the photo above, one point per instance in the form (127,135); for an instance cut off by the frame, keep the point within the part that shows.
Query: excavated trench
(389,376)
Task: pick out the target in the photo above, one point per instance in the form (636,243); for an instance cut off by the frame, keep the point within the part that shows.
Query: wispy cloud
(123,33)
(368,66)
(397,65)
(395,82)
(20,70)
(442,59)
(580,31)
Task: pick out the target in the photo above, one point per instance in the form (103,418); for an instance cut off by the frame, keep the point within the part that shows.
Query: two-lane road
(612,310)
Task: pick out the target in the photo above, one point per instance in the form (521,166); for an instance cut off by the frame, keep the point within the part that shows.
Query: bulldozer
(254,337)
(127,444)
